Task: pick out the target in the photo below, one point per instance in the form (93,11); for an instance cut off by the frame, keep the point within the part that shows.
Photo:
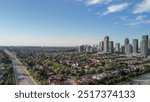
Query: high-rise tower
(126,42)
(106,44)
(111,46)
(135,45)
(117,47)
(129,49)
(144,48)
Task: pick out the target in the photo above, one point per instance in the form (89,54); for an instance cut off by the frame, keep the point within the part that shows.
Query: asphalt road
(142,80)
(22,77)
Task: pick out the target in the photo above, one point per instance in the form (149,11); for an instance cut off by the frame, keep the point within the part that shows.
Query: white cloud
(96,2)
(142,7)
(135,22)
(140,17)
(115,8)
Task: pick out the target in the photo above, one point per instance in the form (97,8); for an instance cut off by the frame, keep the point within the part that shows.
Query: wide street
(22,77)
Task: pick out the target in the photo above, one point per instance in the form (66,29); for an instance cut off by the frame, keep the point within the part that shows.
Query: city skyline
(134,47)
(71,22)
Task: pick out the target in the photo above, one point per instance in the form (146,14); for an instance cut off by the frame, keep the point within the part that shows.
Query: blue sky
(71,22)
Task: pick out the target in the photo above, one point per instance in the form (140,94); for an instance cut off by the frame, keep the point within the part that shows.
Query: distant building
(82,48)
(106,44)
(117,47)
(149,45)
(96,48)
(145,37)
(122,49)
(129,49)
(144,48)
(101,46)
(88,48)
(135,45)
(126,43)
(111,46)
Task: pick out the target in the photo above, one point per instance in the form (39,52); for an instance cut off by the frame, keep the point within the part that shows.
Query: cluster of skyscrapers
(108,46)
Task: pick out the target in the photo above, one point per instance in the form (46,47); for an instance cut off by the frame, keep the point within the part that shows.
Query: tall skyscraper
(145,37)
(96,48)
(111,46)
(88,48)
(106,44)
(82,48)
(144,48)
(126,42)
(101,46)
(129,49)
(135,45)
(117,47)
(149,43)
(122,49)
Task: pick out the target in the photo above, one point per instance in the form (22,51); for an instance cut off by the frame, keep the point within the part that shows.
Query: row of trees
(6,70)
(9,76)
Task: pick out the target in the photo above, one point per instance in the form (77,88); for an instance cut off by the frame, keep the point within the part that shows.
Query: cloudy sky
(71,22)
